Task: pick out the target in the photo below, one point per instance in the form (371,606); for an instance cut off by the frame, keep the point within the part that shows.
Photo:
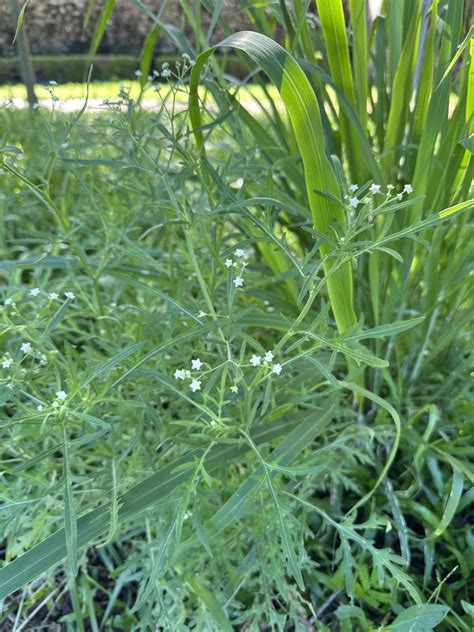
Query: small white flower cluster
(165,71)
(35,291)
(25,348)
(257,360)
(188,60)
(50,89)
(61,397)
(6,362)
(239,280)
(375,189)
(182,374)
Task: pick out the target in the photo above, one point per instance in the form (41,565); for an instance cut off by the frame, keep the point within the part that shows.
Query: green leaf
(467,607)
(112,362)
(398,430)
(333,25)
(147,54)
(422,618)
(452,503)
(351,612)
(386,330)
(19,22)
(70,520)
(457,207)
(211,603)
(101,26)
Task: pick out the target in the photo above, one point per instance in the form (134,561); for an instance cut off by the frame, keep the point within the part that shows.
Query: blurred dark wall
(56,27)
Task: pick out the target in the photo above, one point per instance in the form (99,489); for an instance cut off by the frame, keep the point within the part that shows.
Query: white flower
(138,73)
(39,408)
(228,263)
(268,357)
(26,347)
(240,253)
(55,404)
(353,188)
(353,202)
(255,360)
(35,291)
(53,295)
(234,389)
(179,374)
(166,73)
(61,395)
(277,368)
(6,362)
(195,385)
(390,187)
(196,364)
(238,281)
(70,295)
(407,189)
(9,301)
(53,83)
(212,422)
(375,188)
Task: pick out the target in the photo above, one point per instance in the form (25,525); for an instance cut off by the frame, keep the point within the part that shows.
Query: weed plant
(236,343)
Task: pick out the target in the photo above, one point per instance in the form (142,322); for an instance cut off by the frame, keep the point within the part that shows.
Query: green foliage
(190,438)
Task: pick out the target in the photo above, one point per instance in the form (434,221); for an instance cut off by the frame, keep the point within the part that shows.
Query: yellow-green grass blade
(302,32)
(303,110)
(366,152)
(400,98)
(467,157)
(394,26)
(358,14)
(334,32)
(101,26)
(429,176)
(147,493)
(425,78)
(378,94)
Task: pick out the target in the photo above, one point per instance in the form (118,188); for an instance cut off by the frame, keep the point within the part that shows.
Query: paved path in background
(99,105)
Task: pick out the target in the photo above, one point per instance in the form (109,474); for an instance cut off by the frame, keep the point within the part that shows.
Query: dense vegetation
(236,355)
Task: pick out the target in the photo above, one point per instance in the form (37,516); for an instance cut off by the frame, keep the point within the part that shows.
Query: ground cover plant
(237,333)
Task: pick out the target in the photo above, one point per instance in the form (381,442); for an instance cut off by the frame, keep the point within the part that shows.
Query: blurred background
(60,33)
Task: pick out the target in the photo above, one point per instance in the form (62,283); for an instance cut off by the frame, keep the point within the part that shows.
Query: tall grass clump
(236,355)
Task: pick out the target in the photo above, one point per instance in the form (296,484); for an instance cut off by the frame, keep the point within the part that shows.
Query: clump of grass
(181,445)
